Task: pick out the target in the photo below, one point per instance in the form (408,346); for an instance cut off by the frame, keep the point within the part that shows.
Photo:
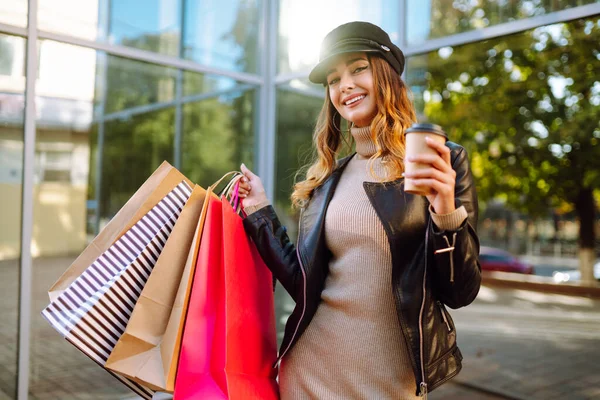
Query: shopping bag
(250,331)
(93,311)
(200,343)
(145,351)
(229,341)
(174,331)
(161,182)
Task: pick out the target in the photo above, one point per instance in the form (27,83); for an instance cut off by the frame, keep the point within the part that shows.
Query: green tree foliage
(217,132)
(218,136)
(296,117)
(527,107)
(450,17)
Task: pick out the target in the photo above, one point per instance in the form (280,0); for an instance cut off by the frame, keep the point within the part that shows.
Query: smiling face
(350,84)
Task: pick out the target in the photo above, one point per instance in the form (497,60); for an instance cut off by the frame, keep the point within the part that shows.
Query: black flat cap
(353,37)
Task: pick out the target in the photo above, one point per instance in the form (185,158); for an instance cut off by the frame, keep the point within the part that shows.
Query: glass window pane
(12,88)
(78,91)
(304,23)
(12,63)
(152,25)
(14,12)
(218,135)
(195,83)
(132,84)
(439,18)
(133,149)
(296,116)
(83,19)
(222,33)
(297,113)
(526,106)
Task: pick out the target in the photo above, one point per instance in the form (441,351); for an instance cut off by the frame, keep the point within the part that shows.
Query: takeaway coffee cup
(416,145)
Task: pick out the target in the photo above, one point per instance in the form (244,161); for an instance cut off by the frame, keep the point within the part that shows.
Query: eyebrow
(332,70)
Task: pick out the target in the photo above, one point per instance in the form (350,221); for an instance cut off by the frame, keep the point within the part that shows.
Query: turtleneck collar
(365,146)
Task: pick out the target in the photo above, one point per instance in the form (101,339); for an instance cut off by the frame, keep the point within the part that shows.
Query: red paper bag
(251,338)
(229,341)
(200,371)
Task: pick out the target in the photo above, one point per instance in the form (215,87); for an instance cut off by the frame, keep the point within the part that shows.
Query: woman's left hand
(438,178)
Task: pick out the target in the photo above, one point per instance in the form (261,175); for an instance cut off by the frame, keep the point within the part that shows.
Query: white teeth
(354,100)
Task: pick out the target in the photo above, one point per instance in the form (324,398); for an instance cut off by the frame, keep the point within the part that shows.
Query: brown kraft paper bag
(148,351)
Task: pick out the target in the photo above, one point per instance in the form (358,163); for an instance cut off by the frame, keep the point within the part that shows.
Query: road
(546,266)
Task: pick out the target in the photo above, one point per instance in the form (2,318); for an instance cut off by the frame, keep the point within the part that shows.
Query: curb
(505,394)
(537,284)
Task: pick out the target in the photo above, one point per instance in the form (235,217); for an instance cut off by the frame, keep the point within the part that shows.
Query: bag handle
(231,190)
(217,183)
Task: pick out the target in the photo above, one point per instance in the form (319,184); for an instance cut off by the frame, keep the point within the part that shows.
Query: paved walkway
(528,345)
(517,345)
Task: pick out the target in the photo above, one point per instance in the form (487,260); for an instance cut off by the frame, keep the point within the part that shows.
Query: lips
(353,99)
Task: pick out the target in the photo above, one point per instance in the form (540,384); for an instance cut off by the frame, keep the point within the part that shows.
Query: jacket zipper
(423,384)
(444,316)
(304,292)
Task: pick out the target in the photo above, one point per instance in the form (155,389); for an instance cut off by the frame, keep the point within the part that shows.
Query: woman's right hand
(252,190)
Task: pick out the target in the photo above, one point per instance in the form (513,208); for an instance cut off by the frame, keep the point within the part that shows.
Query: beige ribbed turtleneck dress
(353,347)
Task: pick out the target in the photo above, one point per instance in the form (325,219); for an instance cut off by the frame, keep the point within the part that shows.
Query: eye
(360,69)
(333,81)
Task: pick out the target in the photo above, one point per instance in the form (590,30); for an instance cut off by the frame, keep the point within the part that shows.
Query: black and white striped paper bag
(94,310)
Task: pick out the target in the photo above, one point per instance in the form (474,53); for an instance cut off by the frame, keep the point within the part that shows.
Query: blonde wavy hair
(395,113)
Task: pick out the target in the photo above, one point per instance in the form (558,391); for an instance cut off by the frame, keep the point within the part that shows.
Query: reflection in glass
(195,83)
(222,33)
(74,87)
(134,83)
(442,17)
(14,12)
(133,149)
(12,87)
(12,62)
(296,116)
(82,19)
(218,135)
(527,107)
(301,28)
(152,25)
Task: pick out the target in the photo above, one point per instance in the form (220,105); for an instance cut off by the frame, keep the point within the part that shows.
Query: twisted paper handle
(231,191)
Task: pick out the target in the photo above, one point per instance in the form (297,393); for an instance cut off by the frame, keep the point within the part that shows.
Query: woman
(373,266)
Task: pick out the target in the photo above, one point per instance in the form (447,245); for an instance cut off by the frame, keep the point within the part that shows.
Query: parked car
(574,275)
(494,259)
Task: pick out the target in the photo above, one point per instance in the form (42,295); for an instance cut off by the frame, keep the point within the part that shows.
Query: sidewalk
(516,343)
(527,345)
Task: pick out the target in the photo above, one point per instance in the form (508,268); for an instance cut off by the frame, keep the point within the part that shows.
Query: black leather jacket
(422,281)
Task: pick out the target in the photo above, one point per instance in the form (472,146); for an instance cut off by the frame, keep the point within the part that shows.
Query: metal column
(27,211)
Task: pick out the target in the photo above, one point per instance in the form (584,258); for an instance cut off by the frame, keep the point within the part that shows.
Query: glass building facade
(95,94)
